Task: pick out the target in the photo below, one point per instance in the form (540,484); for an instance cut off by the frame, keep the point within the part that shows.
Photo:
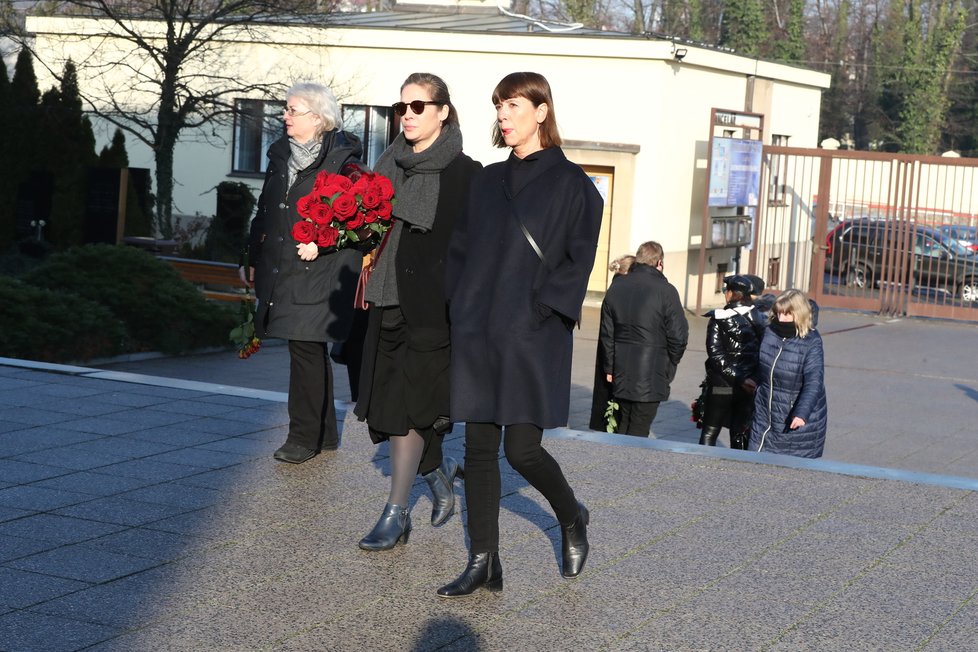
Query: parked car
(965,235)
(859,254)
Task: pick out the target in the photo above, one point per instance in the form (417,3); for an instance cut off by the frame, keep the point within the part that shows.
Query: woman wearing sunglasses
(305,293)
(404,384)
(518,271)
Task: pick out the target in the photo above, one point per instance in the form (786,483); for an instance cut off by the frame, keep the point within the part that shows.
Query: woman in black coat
(305,293)
(517,274)
(404,388)
(733,342)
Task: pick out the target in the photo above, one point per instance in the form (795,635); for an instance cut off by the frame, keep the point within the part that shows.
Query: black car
(863,251)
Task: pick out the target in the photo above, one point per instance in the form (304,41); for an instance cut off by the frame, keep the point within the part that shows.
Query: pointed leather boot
(443,497)
(709,435)
(394,525)
(575,546)
(484,570)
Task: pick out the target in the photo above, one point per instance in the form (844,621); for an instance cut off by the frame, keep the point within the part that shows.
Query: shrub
(161,311)
(51,326)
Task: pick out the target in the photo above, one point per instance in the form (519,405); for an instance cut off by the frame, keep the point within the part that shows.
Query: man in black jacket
(643,338)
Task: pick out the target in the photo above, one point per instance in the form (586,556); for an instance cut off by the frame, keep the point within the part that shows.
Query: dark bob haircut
(534,87)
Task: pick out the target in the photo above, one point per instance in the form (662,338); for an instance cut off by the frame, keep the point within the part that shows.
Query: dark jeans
(312,414)
(636,417)
(527,456)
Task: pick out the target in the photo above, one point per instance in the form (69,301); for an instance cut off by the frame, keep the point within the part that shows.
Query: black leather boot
(575,546)
(709,435)
(740,440)
(394,525)
(484,570)
(443,496)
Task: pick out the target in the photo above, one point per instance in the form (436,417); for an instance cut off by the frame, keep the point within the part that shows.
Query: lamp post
(39,224)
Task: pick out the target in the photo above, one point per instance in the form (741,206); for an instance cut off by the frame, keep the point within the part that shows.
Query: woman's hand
(796,423)
(249,278)
(749,386)
(308,251)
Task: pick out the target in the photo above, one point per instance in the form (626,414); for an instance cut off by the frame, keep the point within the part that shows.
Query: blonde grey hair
(795,303)
(322,102)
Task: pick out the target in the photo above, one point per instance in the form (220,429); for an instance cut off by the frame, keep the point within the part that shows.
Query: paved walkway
(145,513)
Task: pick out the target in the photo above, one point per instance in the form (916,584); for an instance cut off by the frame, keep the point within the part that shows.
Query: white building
(634,110)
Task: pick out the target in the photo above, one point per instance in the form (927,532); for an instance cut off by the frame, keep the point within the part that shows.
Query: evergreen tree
(790,44)
(743,27)
(114,155)
(8,191)
(67,134)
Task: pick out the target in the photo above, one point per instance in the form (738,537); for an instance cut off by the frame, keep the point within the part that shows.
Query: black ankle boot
(443,496)
(394,525)
(484,570)
(709,435)
(575,546)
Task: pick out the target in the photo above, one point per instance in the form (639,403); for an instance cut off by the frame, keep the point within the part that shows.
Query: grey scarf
(303,155)
(416,186)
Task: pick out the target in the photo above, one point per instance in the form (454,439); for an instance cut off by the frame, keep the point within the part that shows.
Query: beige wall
(639,110)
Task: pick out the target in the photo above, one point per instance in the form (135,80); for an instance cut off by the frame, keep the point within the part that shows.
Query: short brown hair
(649,253)
(534,87)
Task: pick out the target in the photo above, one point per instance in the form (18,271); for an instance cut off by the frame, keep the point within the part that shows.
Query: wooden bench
(218,281)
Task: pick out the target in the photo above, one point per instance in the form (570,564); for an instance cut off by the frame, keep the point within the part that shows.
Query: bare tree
(175,57)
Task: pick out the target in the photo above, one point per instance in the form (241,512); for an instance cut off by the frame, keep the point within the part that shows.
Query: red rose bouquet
(342,211)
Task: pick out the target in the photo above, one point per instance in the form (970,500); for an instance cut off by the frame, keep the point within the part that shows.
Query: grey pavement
(140,510)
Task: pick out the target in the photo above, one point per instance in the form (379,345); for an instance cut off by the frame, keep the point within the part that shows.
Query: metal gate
(890,233)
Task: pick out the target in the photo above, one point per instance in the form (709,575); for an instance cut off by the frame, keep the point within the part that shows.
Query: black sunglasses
(400,108)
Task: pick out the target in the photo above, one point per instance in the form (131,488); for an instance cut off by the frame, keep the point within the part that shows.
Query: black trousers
(636,417)
(527,456)
(312,414)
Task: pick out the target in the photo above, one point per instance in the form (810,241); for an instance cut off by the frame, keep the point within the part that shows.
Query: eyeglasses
(291,112)
(417,106)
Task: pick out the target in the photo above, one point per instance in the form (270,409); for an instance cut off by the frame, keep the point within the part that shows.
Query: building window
(776,190)
(257,124)
(376,126)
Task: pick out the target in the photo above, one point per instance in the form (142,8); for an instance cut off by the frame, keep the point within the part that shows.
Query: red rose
(360,186)
(341,181)
(322,214)
(327,236)
(344,207)
(384,210)
(306,204)
(383,186)
(322,180)
(356,221)
(370,198)
(330,191)
(304,231)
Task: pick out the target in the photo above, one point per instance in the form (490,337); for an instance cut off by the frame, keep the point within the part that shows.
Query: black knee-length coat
(512,315)
(310,301)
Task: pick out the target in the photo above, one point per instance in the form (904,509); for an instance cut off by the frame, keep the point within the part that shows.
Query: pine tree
(8,190)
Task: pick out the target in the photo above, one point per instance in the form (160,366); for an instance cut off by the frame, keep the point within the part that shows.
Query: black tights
(524,452)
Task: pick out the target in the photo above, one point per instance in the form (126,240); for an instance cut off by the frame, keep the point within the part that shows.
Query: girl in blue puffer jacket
(790,410)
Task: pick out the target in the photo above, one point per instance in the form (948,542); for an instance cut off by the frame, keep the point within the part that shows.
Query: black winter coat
(420,274)
(643,334)
(299,300)
(733,343)
(511,315)
(791,383)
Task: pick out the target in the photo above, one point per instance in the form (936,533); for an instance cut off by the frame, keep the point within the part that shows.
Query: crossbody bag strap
(529,238)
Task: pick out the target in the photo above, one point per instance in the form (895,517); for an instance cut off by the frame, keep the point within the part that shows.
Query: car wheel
(968,291)
(859,276)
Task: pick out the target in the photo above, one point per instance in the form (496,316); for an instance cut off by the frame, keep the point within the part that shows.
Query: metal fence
(890,233)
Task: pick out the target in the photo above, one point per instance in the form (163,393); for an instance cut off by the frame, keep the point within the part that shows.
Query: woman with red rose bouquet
(404,383)
(304,276)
